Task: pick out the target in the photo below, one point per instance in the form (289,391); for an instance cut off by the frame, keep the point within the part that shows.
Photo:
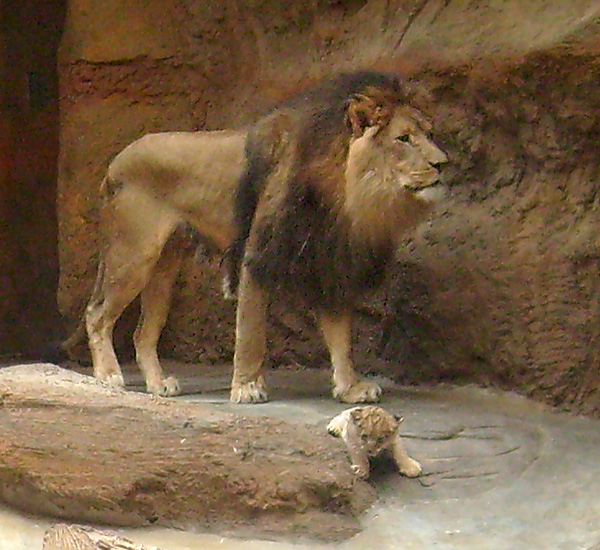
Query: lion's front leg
(348,386)
(248,384)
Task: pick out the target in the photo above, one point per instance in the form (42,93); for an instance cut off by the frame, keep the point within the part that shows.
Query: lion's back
(179,154)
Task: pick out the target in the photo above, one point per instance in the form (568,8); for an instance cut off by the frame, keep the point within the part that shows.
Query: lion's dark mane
(302,252)
(304,248)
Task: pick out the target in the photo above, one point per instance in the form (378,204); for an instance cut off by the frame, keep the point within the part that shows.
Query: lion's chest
(305,251)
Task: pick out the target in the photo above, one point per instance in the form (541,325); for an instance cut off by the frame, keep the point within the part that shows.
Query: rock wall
(500,288)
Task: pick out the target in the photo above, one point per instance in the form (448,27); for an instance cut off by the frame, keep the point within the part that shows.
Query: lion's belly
(209,209)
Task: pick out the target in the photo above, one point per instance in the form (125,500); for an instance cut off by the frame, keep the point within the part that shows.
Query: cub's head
(392,172)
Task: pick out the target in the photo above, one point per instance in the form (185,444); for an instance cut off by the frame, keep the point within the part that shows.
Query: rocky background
(502,288)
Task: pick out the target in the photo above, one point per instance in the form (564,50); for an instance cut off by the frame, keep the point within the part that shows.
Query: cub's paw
(166,387)
(362,391)
(411,468)
(359,471)
(250,392)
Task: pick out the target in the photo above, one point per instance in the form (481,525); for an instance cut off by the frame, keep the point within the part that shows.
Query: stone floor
(500,472)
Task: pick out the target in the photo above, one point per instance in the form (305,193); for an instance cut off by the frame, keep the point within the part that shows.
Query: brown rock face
(501,288)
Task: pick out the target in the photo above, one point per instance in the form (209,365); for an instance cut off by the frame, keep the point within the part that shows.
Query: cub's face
(397,156)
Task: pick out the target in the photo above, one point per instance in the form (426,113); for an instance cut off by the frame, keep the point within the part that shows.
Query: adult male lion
(311,203)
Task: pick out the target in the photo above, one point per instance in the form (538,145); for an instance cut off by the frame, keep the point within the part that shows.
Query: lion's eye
(404,138)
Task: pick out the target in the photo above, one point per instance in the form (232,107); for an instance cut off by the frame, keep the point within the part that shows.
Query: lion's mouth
(433,191)
(424,179)
(425,185)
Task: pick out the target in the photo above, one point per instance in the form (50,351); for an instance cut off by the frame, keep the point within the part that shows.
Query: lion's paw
(250,392)
(411,468)
(362,391)
(167,387)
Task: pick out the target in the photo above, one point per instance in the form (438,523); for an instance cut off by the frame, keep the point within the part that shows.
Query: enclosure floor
(500,472)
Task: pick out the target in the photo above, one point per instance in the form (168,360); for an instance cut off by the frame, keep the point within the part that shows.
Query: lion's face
(392,171)
(399,153)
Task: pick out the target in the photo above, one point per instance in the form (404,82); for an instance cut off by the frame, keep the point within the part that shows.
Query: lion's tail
(79,334)
(75,338)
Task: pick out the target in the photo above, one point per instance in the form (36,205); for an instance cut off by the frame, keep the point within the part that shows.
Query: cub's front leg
(343,426)
(407,466)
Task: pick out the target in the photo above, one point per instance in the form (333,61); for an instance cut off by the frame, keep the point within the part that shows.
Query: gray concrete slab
(500,472)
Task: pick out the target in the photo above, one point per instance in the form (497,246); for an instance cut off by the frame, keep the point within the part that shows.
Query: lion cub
(368,431)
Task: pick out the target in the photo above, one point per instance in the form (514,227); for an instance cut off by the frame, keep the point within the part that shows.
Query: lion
(333,180)
(308,203)
(368,431)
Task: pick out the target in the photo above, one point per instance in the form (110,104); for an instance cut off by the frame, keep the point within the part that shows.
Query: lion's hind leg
(125,274)
(138,231)
(155,303)
(108,302)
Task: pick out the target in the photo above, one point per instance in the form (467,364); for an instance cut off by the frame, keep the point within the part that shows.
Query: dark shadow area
(30,33)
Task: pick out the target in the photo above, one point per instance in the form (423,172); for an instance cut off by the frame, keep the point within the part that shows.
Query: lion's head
(392,168)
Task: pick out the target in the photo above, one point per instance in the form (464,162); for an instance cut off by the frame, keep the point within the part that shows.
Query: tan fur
(369,431)
(372,184)
(152,187)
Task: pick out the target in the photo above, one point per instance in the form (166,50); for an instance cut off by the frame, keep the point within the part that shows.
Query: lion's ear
(364,112)
(360,114)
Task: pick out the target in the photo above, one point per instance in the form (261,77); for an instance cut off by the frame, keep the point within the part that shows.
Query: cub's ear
(366,111)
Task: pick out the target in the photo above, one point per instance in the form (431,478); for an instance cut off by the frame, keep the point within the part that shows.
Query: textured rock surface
(68,537)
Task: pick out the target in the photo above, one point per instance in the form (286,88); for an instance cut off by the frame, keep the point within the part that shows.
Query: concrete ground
(500,472)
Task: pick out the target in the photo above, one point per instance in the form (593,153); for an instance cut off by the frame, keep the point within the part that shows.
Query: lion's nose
(437,158)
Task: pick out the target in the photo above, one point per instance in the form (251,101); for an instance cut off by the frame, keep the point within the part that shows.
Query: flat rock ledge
(75,449)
